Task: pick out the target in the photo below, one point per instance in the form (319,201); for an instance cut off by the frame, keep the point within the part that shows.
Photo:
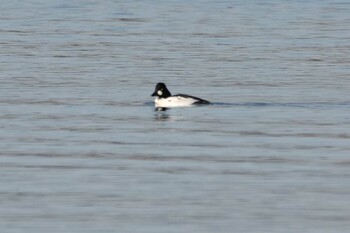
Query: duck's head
(161,91)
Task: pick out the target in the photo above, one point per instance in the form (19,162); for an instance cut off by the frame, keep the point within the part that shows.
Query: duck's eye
(159,92)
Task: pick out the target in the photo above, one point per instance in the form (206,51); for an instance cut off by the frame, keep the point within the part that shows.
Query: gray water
(82,149)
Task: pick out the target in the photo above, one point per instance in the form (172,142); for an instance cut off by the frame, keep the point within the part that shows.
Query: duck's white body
(175,101)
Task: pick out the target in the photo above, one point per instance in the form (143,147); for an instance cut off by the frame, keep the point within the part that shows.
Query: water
(82,149)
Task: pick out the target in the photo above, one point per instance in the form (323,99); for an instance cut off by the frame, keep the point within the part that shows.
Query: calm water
(82,149)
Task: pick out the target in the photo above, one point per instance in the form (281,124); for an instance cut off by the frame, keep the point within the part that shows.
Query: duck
(164,99)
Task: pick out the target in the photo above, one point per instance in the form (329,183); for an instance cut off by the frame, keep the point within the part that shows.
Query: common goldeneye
(165,99)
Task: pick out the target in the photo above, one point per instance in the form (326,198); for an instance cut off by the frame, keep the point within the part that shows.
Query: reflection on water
(159,109)
(84,150)
(161,115)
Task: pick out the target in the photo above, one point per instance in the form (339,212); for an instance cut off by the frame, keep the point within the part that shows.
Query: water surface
(82,149)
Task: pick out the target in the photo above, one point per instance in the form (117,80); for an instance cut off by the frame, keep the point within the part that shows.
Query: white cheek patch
(159,92)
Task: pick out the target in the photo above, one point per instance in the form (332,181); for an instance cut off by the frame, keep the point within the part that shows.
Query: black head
(161,91)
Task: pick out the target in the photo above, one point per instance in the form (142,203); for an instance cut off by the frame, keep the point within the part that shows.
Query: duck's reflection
(160,109)
(161,115)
